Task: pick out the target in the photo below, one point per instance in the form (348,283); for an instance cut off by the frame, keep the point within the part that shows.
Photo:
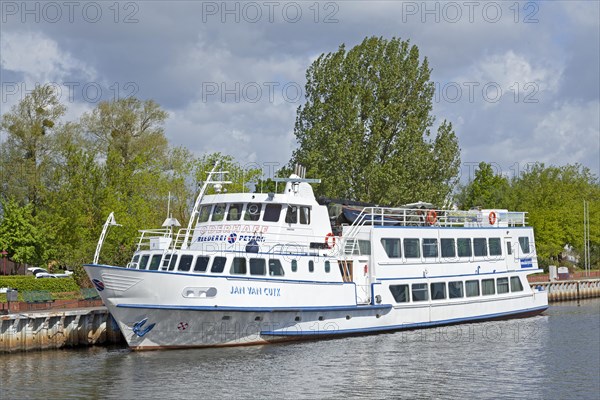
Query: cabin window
(201,264)
(508,248)
(155,262)
(515,284)
(291,215)
(134,262)
(185,263)
(204,213)
(430,248)
(275,268)
(327,266)
(258,266)
(464,247)
(419,292)
(294,265)
(305,215)
(480,247)
(218,212)
(311,266)
(487,287)
(495,246)
(173,262)
(455,290)
(364,246)
(411,248)
(472,288)
(502,285)
(144,261)
(438,290)
(238,267)
(401,293)
(392,247)
(235,212)
(447,246)
(524,243)
(218,264)
(272,212)
(252,212)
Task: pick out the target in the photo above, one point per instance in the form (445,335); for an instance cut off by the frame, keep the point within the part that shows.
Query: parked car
(43,273)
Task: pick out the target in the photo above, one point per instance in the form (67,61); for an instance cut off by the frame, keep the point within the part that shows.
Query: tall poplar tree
(365,128)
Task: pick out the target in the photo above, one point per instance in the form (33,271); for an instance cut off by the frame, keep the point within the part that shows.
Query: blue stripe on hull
(479,318)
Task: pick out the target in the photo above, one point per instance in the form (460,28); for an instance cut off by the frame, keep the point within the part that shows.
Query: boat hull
(172,324)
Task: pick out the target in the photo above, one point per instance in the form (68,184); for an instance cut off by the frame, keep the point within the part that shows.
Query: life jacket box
(159,243)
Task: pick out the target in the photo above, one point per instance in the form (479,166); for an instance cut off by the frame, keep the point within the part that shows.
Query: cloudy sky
(518,80)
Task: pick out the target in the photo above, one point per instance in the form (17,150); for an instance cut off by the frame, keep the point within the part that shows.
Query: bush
(26,283)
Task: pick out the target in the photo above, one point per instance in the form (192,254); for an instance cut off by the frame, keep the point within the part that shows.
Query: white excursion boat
(255,268)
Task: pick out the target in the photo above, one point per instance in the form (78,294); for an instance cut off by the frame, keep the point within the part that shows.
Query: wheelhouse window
(401,293)
(464,247)
(391,247)
(455,290)
(430,248)
(258,266)
(235,212)
(275,268)
(252,212)
(472,288)
(480,247)
(495,246)
(419,292)
(291,215)
(238,267)
(155,262)
(144,261)
(218,212)
(487,287)
(185,262)
(305,215)
(201,264)
(272,212)
(438,290)
(411,249)
(502,285)
(218,264)
(448,250)
(515,284)
(524,243)
(204,213)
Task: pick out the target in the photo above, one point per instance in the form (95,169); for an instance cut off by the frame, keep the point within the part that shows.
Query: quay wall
(55,329)
(570,290)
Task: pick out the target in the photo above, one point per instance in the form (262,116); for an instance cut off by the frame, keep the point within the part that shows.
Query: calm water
(554,356)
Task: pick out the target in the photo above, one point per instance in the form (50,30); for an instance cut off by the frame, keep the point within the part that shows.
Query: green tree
(21,235)
(24,157)
(486,190)
(553,198)
(365,128)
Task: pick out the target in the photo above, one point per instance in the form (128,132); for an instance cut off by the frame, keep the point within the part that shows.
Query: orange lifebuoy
(492,218)
(366,269)
(431,217)
(332,236)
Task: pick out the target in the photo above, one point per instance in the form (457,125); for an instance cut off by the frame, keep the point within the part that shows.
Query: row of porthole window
(450,248)
(455,289)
